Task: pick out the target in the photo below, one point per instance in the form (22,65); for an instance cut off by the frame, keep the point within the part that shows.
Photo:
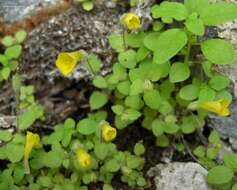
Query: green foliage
(155,83)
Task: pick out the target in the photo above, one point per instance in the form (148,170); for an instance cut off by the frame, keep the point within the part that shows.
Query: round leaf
(220,175)
(86,126)
(98,100)
(179,72)
(189,92)
(218,51)
(166,48)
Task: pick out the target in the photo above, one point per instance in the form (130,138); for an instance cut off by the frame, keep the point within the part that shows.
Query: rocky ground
(72,28)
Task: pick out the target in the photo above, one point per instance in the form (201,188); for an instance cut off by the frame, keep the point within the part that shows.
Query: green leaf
(190,124)
(128,58)
(219,13)
(137,87)
(135,40)
(98,100)
(179,72)
(151,40)
(119,71)
(86,126)
(219,82)
(195,25)
(3,60)
(194,6)
(131,114)
(168,11)
(94,63)
(5,135)
(206,94)
(171,128)
(199,151)
(218,51)
(212,153)
(100,82)
(142,53)
(8,41)
(112,165)
(189,92)
(26,119)
(18,173)
(230,160)
(162,141)
(214,137)
(158,127)
(139,149)
(166,48)
(234,187)
(152,99)
(220,175)
(224,94)
(101,150)
(116,42)
(13,52)
(124,87)
(68,129)
(20,36)
(118,109)
(133,102)
(134,161)
(5,72)
(88,5)
(14,152)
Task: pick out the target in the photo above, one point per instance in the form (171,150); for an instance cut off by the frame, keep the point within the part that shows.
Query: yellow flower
(108,132)
(32,140)
(219,107)
(66,61)
(83,158)
(131,21)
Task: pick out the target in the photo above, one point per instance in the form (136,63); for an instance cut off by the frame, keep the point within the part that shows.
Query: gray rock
(179,176)
(15,10)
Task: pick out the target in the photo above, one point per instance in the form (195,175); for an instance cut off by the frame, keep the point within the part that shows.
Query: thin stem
(124,38)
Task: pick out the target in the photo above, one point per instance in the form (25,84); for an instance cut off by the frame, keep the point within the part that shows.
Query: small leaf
(5,72)
(135,40)
(220,175)
(166,48)
(99,82)
(20,36)
(137,87)
(98,100)
(8,41)
(179,72)
(199,152)
(206,94)
(230,160)
(194,6)
(218,51)
(88,5)
(189,92)
(101,150)
(195,25)
(151,40)
(13,52)
(219,82)
(139,149)
(5,135)
(133,102)
(168,11)
(86,126)
(124,87)
(128,59)
(152,99)
(116,42)
(219,13)
(118,109)
(158,127)
(162,141)
(94,63)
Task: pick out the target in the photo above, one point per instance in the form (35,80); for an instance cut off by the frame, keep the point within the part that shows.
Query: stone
(179,176)
(16,10)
